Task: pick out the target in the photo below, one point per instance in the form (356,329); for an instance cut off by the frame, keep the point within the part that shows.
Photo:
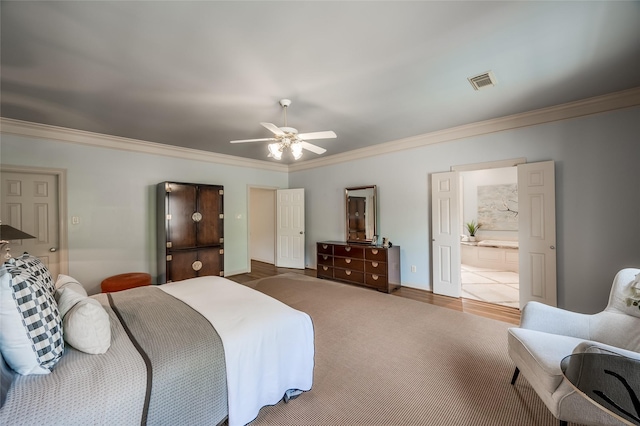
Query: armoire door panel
(210,206)
(181,207)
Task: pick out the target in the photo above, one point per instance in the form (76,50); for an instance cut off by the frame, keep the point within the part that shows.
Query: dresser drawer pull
(347,272)
(374,251)
(347,260)
(196,266)
(324,246)
(347,249)
(325,268)
(375,277)
(325,257)
(374,264)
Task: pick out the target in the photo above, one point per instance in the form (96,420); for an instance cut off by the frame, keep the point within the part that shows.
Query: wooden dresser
(371,266)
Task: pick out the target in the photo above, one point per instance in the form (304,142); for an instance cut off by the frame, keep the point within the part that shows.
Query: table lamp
(9,233)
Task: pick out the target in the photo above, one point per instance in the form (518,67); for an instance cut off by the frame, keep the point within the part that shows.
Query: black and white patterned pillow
(37,269)
(32,340)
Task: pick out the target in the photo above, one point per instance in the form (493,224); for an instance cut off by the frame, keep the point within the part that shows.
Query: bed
(199,351)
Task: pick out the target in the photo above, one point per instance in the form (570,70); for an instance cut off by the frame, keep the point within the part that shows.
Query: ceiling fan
(288,137)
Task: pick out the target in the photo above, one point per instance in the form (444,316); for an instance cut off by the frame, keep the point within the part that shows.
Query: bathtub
(491,254)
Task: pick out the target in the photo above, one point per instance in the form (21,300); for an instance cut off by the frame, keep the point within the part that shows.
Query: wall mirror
(361,209)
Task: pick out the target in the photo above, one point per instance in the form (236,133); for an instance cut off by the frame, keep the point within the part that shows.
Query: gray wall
(597,197)
(113,194)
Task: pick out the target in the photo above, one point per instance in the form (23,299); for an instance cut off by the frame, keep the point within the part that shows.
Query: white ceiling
(199,74)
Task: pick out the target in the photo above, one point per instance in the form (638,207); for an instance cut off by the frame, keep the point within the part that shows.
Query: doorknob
(301,232)
(53,249)
(552,247)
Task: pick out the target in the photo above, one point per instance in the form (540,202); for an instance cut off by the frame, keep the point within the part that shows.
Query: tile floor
(499,287)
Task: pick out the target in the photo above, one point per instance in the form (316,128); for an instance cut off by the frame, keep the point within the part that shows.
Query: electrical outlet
(413,268)
(75,220)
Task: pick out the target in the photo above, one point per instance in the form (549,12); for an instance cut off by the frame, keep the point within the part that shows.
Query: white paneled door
(29,202)
(537,233)
(446,229)
(290,228)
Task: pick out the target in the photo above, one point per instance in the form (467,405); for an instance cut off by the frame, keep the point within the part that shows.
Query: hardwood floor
(487,310)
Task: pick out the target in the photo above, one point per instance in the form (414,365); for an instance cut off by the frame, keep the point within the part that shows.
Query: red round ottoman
(125,281)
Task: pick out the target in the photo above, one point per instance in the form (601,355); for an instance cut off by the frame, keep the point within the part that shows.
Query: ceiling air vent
(482,81)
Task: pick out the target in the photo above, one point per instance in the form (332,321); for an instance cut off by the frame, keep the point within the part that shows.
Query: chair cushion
(540,353)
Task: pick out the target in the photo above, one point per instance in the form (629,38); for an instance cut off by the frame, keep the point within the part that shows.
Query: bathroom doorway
(536,230)
(489,260)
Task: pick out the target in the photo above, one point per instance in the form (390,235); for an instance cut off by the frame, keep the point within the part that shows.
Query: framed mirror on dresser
(361,259)
(361,214)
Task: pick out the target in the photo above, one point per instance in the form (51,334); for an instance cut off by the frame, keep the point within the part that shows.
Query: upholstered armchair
(547,335)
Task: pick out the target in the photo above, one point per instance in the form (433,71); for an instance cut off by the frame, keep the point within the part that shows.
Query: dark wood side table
(611,382)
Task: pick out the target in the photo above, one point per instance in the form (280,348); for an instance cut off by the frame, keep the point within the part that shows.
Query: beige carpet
(387,360)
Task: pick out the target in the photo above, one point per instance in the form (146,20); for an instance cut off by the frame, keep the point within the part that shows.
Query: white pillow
(85,322)
(65,281)
(30,325)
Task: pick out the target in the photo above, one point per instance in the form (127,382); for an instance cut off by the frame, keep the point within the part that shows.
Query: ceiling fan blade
(254,140)
(318,135)
(313,148)
(275,129)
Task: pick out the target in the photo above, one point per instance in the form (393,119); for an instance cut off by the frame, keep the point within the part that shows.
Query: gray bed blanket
(165,366)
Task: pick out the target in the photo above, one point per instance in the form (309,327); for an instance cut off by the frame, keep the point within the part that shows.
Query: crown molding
(612,101)
(599,104)
(44,131)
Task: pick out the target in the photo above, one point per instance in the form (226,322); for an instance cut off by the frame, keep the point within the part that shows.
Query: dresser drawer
(376,281)
(348,275)
(373,253)
(349,251)
(324,248)
(349,263)
(325,259)
(325,271)
(375,267)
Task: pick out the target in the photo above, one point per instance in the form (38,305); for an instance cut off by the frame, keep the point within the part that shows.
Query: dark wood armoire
(190,230)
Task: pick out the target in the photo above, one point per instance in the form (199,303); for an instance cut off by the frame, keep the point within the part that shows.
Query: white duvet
(269,346)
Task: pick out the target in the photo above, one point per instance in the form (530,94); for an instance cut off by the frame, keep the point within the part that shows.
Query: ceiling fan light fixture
(287,138)
(275,150)
(296,150)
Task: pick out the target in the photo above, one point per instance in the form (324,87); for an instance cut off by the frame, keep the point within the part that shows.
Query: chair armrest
(601,348)
(549,319)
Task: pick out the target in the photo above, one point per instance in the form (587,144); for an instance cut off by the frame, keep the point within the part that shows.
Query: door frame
(61,178)
(250,211)
(513,162)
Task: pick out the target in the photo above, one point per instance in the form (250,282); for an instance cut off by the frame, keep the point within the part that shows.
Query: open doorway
(536,230)
(489,269)
(262,230)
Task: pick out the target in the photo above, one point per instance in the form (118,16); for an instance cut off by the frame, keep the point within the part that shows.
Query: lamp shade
(10,233)
(275,150)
